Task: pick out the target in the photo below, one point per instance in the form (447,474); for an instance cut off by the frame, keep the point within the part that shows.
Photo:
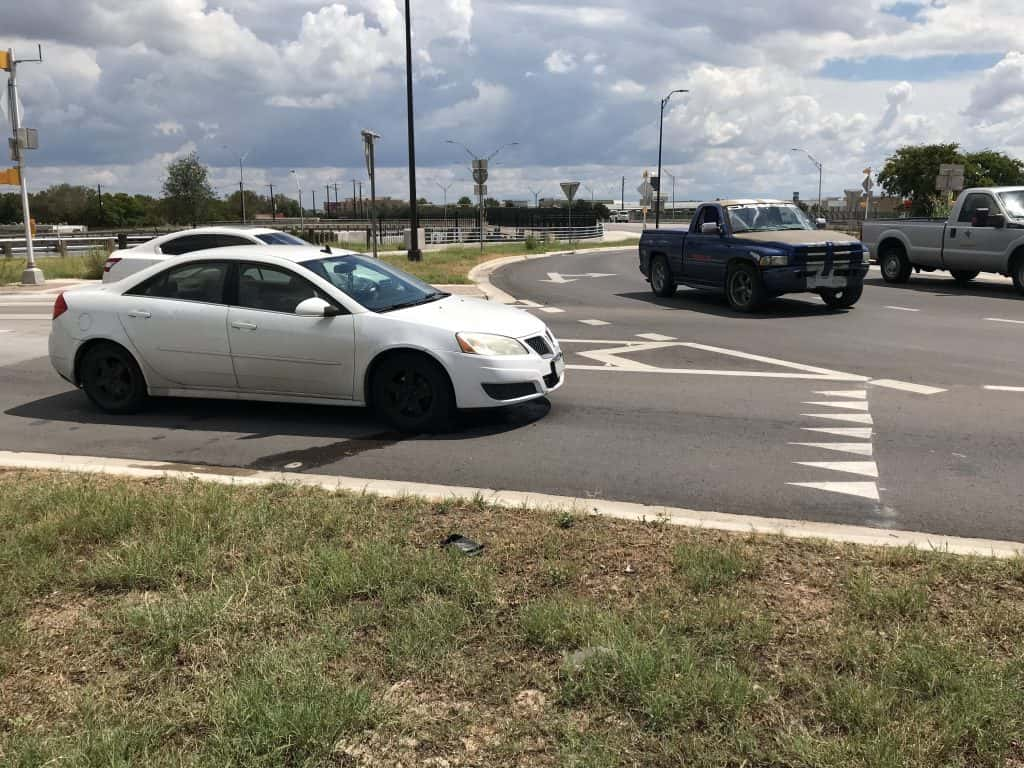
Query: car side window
(198,281)
(190,243)
(273,289)
(225,240)
(971,205)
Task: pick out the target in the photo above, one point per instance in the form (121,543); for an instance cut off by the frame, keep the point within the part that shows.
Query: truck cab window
(974,203)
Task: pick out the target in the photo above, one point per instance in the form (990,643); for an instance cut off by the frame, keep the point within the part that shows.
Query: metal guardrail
(60,244)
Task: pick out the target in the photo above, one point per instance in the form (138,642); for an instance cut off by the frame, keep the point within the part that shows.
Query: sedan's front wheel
(112,379)
(413,394)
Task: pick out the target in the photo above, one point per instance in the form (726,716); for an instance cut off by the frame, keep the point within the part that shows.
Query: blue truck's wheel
(744,288)
(661,278)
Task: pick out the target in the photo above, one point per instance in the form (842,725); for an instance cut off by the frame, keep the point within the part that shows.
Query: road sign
(950,178)
(28,138)
(868,185)
(646,190)
(479,189)
(655,183)
(10,176)
(569,188)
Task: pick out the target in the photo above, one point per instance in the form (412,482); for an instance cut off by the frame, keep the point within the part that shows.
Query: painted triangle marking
(863,490)
(854,405)
(860,449)
(865,468)
(861,433)
(853,418)
(850,394)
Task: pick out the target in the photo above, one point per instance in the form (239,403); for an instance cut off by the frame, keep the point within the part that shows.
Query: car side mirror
(316,307)
(710,228)
(996,220)
(820,223)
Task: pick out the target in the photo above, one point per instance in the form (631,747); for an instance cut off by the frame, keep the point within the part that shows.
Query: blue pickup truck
(752,250)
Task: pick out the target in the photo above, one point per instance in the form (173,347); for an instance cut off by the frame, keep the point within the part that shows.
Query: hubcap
(410,394)
(892,266)
(742,288)
(659,275)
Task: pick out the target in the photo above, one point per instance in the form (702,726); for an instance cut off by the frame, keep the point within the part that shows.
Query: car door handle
(140,313)
(244,326)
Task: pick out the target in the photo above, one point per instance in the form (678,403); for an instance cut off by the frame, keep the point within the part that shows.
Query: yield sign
(569,188)
(556,277)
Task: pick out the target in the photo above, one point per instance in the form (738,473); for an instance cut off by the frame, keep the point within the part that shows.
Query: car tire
(1017,272)
(895,266)
(112,379)
(661,278)
(413,394)
(842,299)
(964,276)
(744,288)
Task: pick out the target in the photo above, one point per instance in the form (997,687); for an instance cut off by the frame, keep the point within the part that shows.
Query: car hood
(799,237)
(458,313)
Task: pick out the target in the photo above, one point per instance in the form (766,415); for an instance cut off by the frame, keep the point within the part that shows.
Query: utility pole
(362,206)
(414,253)
(314,201)
(298,187)
(369,137)
(273,203)
(327,205)
(622,200)
(337,202)
(536,197)
(661,133)
(817,165)
(99,197)
(23,139)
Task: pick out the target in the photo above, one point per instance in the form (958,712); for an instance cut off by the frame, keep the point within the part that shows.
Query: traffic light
(11,176)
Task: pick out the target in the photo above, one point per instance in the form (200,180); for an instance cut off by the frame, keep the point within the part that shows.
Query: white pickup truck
(984,233)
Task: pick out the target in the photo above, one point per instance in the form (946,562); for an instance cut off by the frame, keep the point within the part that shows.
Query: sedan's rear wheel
(112,379)
(412,394)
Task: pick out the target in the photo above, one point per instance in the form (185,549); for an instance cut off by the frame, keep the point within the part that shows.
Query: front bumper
(503,376)
(813,277)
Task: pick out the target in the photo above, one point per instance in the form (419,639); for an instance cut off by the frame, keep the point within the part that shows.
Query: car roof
(293,253)
(218,231)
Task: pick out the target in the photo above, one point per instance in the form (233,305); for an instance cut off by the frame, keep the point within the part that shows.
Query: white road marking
(866,468)
(853,418)
(615,342)
(551,310)
(4,330)
(293,465)
(631,368)
(854,405)
(1001,320)
(994,388)
(857,433)
(904,309)
(560,279)
(774,361)
(594,322)
(907,386)
(859,449)
(655,337)
(863,490)
(849,394)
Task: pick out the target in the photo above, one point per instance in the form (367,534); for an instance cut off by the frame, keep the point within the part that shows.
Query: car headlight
(771,258)
(489,344)
(866,257)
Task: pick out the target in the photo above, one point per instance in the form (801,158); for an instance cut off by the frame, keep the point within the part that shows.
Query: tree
(187,190)
(490,202)
(464,202)
(911,172)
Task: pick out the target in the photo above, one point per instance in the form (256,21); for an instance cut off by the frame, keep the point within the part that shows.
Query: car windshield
(1013,202)
(281,238)
(374,284)
(767,217)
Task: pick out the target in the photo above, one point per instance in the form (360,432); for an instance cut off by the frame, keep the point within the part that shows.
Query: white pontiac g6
(300,325)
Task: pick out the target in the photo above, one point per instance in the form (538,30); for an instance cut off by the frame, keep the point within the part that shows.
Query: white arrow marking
(849,394)
(863,490)
(856,405)
(860,449)
(866,468)
(560,279)
(906,386)
(554,277)
(859,433)
(853,418)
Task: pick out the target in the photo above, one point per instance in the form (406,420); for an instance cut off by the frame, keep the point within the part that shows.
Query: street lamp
(536,197)
(298,187)
(591,191)
(445,188)
(661,133)
(414,253)
(816,165)
(479,168)
(241,178)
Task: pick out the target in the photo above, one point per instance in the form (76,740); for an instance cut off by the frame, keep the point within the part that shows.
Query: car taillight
(110,263)
(59,306)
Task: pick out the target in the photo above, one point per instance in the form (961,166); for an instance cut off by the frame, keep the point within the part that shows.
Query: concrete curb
(481,273)
(745,524)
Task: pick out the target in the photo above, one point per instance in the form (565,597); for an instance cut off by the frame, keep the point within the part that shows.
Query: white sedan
(299,325)
(132,260)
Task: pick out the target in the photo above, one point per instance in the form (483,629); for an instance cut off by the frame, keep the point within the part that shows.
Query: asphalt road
(789,413)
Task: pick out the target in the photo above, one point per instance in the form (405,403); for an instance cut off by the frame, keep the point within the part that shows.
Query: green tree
(187,191)
(911,172)
(464,202)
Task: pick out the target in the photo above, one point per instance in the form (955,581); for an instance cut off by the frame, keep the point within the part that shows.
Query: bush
(532,243)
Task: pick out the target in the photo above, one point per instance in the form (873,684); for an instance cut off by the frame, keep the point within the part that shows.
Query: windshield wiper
(435,296)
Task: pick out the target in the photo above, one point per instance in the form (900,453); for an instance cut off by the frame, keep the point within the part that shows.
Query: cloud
(488,104)
(1000,92)
(897,96)
(560,62)
(168,128)
(628,88)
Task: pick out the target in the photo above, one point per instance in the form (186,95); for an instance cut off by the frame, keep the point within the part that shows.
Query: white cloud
(628,88)
(168,128)
(1000,92)
(560,62)
(489,102)
(600,69)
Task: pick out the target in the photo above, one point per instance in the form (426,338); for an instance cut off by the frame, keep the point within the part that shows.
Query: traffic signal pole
(32,274)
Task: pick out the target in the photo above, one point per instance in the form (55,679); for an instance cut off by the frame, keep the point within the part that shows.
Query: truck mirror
(996,220)
(709,228)
(980,217)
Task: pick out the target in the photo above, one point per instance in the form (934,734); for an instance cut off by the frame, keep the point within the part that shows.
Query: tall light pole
(536,197)
(241,178)
(479,168)
(661,134)
(298,187)
(445,188)
(816,165)
(591,191)
(414,253)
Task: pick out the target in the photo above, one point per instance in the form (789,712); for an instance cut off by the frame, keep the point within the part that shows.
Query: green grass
(185,624)
(80,266)
(451,266)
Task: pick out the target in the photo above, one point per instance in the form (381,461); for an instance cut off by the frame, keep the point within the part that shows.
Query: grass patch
(184,624)
(77,266)
(451,266)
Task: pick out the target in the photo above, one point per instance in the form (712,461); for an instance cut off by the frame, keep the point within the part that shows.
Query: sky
(128,85)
